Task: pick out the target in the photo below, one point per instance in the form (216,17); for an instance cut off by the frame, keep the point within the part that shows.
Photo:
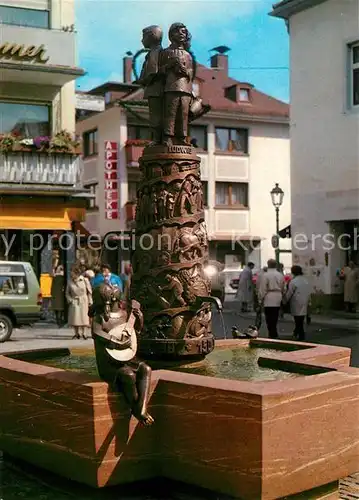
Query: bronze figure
(168,274)
(177,65)
(152,81)
(115,331)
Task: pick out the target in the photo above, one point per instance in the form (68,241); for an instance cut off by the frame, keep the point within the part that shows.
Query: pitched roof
(213,84)
(287,8)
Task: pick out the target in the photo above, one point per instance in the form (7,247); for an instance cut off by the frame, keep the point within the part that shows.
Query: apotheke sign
(21,52)
(111,186)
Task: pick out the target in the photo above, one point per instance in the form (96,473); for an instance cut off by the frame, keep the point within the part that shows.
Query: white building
(324,38)
(243,143)
(40,191)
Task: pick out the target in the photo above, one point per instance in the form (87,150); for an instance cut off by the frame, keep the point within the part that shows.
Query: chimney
(127,69)
(220,62)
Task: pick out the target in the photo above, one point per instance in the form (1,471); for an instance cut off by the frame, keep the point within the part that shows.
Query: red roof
(213,84)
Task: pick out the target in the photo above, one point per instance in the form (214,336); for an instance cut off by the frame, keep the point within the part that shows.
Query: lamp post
(277,195)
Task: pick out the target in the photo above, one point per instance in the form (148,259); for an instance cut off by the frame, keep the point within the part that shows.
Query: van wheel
(6,328)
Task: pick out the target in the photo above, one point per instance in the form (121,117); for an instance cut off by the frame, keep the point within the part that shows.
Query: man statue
(152,80)
(176,64)
(114,331)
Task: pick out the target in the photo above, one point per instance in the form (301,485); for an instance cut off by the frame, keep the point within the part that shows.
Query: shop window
(198,135)
(232,140)
(17,16)
(138,132)
(90,143)
(26,120)
(354,74)
(232,194)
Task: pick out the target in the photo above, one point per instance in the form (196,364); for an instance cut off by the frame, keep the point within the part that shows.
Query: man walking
(271,290)
(245,287)
(298,296)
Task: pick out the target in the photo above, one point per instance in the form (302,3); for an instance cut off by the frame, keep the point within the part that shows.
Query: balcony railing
(55,169)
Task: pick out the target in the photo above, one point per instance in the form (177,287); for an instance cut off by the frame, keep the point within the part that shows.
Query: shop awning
(18,217)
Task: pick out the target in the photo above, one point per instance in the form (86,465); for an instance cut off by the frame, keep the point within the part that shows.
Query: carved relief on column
(171,248)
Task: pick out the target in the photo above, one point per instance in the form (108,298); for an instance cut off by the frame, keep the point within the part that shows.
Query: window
(232,139)
(24,17)
(205,193)
(354,74)
(232,194)
(27,120)
(138,132)
(195,89)
(132,190)
(198,134)
(244,95)
(13,285)
(90,141)
(93,187)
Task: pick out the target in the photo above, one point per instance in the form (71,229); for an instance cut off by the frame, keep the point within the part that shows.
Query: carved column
(169,253)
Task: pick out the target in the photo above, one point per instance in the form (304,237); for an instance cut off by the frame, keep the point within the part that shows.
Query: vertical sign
(111,187)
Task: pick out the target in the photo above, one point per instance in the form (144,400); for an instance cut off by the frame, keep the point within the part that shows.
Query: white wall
(268,162)
(324,133)
(111,126)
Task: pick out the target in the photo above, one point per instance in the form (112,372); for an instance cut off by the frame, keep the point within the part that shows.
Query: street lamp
(277,195)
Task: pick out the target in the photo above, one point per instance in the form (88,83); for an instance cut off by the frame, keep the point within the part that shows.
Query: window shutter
(28,4)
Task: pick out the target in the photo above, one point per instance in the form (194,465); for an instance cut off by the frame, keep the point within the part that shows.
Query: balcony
(39,56)
(35,171)
(134,151)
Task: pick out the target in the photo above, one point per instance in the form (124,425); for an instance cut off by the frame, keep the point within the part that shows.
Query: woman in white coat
(298,297)
(79,298)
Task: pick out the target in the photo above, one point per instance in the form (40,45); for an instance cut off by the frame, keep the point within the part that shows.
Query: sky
(259,44)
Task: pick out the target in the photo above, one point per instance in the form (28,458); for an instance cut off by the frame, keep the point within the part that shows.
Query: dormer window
(244,95)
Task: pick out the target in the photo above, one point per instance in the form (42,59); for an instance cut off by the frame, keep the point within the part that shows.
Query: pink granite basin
(249,439)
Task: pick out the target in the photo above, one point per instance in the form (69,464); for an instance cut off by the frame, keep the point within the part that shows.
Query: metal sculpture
(171,245)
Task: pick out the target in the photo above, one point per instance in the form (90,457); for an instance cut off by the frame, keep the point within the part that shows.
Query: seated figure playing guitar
(114,330)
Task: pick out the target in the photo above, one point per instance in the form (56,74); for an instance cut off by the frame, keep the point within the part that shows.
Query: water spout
(218,303)
(213,300)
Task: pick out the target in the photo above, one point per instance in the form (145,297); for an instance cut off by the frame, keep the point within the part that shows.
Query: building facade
(324,39)
(243,143)
(41,192)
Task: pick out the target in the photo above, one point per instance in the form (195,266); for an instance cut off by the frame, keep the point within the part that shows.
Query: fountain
(254,419)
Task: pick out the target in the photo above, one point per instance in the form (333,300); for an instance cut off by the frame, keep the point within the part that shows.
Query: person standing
(245,287)
(271,290)
(351,286)
(126,280)
(79,298)
(177,65)
(298,296)
(106,276)
(152,81)
(58,295)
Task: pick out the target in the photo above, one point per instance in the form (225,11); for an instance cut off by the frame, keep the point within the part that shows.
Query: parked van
(20,297)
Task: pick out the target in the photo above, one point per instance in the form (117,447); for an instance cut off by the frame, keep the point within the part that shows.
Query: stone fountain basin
(251,440)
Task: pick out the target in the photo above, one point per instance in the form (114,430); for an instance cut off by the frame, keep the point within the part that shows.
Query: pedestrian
(298,297)
(126,280)
(271,290)
(79,298)
(106,276)
(58,296)
(351,285)
(257,304)
(245,287)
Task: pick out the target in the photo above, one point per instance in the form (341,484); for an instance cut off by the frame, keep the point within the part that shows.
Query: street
(323,330)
